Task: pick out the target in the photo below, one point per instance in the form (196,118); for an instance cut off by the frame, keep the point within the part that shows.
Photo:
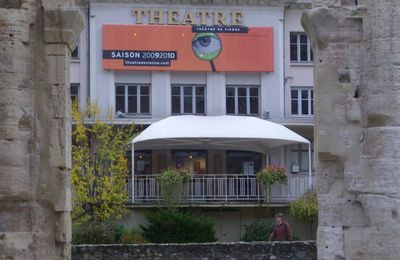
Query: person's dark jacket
(281,232)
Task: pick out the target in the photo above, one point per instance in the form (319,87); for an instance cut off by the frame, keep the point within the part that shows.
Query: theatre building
(222,89)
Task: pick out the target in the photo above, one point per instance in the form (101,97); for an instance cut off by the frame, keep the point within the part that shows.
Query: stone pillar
(36,37)
(357,134)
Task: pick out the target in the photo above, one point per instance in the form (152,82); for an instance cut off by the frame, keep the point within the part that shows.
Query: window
(194,161)
(299,157)
(242,100)
(75,52)
(132,99)
(74,88)
(142,162)
(188,99)
(302,101)
(243,162)
(300,48)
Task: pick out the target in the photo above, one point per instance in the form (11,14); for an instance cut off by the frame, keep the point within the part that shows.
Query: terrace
(218,133)
(217,189)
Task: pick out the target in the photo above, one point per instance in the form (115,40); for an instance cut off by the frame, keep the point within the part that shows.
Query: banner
(188,48)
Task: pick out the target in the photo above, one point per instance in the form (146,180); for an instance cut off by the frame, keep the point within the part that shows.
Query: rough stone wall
(305,250)
(357,133)
(36,37)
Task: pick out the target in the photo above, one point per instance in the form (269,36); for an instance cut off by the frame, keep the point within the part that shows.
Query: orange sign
(187,48)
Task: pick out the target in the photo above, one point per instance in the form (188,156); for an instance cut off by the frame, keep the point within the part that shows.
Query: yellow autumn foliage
(99,166)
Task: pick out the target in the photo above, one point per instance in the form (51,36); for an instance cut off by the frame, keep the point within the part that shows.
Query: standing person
(282,230)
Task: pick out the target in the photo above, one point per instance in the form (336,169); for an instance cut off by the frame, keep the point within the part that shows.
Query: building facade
(263,69)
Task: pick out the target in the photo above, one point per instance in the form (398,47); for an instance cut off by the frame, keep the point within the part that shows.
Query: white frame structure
(220,188)
(216,132)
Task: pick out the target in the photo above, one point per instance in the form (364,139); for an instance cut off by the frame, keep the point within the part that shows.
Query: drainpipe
(310,185)
(88,51)
(284,75)
(284,62)
(133,173)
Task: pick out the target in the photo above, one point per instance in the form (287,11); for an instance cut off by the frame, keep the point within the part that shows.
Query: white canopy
(216,132)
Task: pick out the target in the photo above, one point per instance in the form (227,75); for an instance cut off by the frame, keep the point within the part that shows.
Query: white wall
(274,96)
(298,75)
(102,81)
(78,67)
(230,223)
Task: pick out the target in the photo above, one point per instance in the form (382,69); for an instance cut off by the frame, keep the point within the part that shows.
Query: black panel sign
(219,29)
(141,58)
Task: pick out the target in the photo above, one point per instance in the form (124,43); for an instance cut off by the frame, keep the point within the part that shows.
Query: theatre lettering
(189,17)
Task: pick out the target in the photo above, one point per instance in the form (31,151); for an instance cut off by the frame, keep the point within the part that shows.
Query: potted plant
(270,175)
(172,183)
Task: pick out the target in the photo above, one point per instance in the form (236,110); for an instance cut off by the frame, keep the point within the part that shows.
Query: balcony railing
(208,189)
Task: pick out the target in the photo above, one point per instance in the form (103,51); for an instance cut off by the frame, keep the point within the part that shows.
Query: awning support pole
(133,174)
(310,185)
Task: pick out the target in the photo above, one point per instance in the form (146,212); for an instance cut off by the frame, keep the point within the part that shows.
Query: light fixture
(119,114)
(266,114)
(190,157)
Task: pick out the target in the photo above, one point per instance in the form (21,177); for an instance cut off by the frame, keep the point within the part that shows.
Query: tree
(173,183)
(99,166)
(305,208)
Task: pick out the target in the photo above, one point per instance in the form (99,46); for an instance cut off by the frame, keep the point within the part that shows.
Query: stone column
(357,134)
(36,37)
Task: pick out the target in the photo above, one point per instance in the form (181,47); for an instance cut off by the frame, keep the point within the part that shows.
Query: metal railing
(204,189)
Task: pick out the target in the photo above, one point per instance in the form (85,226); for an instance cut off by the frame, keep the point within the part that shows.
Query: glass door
(195,161)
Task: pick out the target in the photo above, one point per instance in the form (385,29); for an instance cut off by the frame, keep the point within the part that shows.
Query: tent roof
(216,132)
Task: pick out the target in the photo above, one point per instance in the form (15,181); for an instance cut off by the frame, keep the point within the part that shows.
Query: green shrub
(105,233)
(257,231)
(119,231)
(305,208)
(132,237)
(93,233)
(295,237)
(172,183)
(174,226)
